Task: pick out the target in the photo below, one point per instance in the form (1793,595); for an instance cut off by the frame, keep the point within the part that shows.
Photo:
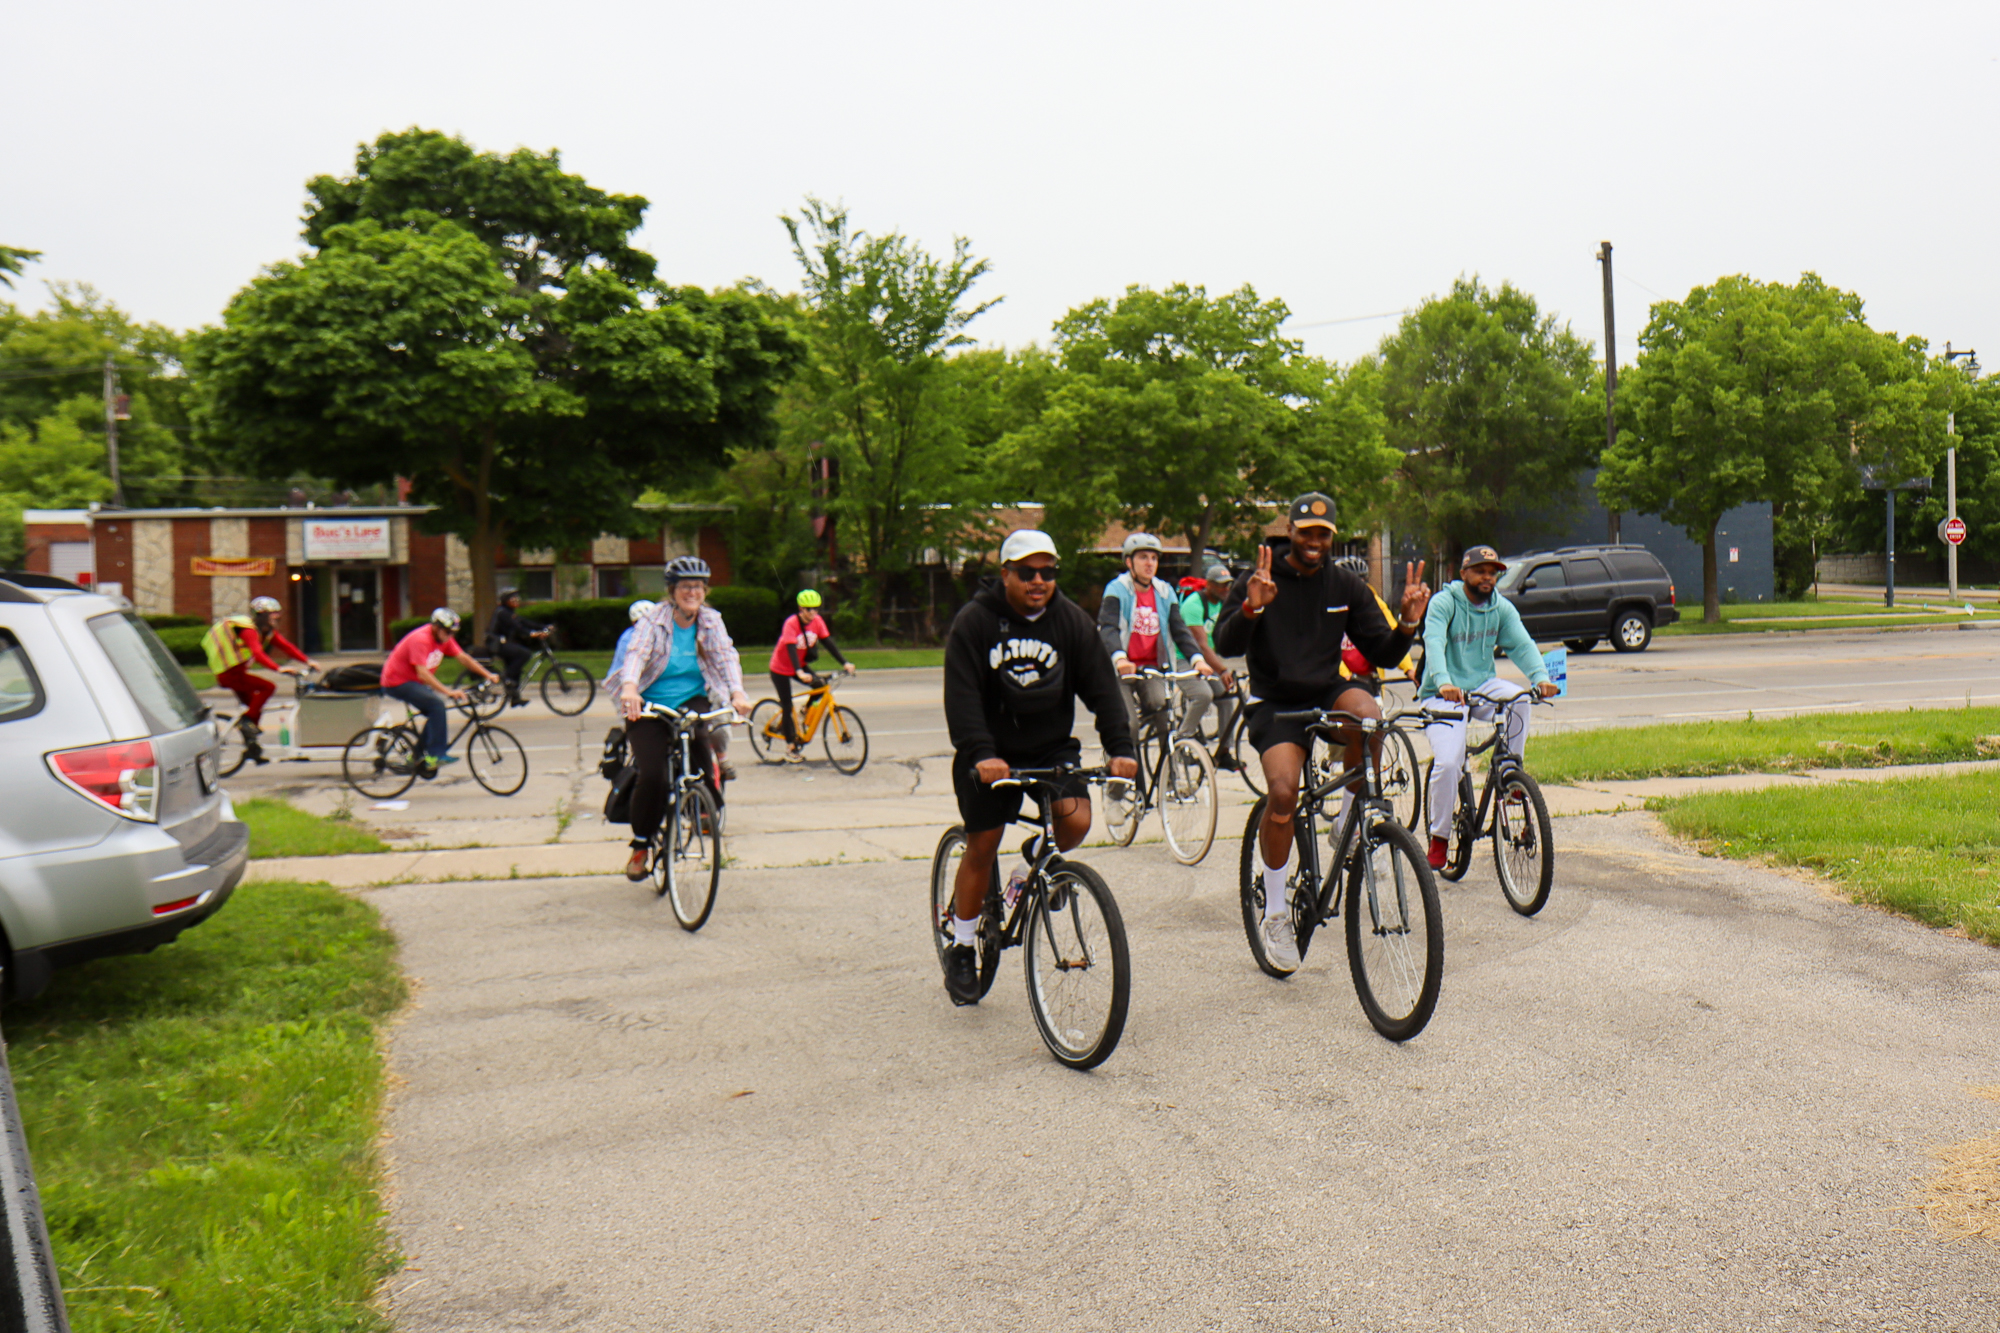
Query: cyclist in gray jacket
(1140,622)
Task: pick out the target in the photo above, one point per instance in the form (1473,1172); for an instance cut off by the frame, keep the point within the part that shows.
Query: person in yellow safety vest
(232,645)
(1354,665)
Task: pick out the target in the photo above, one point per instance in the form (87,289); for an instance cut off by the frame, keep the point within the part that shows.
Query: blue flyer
(1557,661)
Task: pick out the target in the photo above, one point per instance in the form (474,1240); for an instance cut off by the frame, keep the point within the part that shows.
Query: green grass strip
(281,829)
(1767,745)
(1928,847)
(203,1120)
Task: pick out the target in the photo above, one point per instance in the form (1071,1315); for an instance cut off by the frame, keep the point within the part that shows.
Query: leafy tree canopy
(12,261)
(1188,414)
(481,325)
(1486,398)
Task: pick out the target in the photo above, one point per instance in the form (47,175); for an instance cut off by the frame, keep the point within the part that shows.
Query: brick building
(342,575)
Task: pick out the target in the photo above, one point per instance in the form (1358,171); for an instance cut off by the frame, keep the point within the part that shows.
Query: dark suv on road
(1581,594)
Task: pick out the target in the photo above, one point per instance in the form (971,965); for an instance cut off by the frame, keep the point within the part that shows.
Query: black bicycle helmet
(686,567)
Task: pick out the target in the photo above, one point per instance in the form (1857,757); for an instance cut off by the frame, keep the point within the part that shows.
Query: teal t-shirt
(681,681)
(1200,613)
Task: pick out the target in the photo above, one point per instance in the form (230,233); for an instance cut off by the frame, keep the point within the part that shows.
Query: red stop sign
(1954,531)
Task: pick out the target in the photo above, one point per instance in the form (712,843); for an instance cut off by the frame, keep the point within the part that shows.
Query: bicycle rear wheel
(568,688)
(1188,800)
(381,762)
(1248,762)
(235,746)
(1122,809)
(484,705)
(497,761)
(1523,843)
(1402,779)
(1078,968)
(845,738)
(767,740)
(945,861)
(1395,930)
(1251,886)
(1458,843)
(687,862)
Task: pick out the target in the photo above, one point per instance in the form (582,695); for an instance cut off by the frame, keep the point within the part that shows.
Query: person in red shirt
(803,632)
(410,675)
(235,643)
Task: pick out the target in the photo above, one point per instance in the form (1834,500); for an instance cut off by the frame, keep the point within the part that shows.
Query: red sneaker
(1438,850)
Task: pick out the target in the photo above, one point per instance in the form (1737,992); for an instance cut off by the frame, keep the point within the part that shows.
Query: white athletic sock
(1274,892)
(964,931)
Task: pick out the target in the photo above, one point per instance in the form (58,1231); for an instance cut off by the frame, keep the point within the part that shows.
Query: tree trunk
(485,539)
(1711,582)
(1198,541)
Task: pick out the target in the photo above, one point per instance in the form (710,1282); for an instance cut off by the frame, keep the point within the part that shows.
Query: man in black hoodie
(1288,616)
(1019,656)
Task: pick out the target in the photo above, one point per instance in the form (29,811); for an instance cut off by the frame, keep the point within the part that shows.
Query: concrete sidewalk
(905,827)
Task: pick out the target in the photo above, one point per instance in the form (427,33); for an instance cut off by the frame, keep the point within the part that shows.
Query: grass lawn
(281,829)
(1926,847)
(1768,745)
(203,1120)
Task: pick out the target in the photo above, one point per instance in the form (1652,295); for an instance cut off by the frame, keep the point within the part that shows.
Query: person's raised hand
(991,770)
(1416,593)
(1262,588)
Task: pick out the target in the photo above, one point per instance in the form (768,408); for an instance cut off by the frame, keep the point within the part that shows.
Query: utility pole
(1951,474)
(111,414)
(1610,375)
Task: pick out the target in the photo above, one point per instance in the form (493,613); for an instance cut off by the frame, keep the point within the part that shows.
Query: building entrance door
(357,611)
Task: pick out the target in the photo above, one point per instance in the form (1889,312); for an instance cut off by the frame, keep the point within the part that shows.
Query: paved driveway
(1690,1095)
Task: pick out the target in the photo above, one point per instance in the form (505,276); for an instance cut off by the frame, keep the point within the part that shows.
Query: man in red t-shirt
(410,675)
(233,645)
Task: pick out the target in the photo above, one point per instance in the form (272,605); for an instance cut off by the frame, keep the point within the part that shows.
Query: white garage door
(68,559)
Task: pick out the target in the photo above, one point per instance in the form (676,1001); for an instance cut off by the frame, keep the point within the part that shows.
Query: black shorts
(1266,729)
(983,808)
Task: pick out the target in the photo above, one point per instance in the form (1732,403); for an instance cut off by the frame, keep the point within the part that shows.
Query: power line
(1348,319)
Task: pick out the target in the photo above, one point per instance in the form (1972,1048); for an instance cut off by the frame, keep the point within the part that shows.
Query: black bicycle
(1401,776)
(687,849)
(567,688)
(1510,808)
(1395,927)
(1175,774)
(1078,969)
(382,761)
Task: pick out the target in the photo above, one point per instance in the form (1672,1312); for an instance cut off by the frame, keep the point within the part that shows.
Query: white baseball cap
(1023,543)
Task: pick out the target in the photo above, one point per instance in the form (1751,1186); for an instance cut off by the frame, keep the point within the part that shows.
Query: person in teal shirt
(1200,610)
(1463,627)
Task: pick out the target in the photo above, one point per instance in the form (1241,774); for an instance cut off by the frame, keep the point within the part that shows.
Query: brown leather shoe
(640,865)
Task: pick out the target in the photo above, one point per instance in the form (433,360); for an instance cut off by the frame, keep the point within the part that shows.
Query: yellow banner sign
(235,567)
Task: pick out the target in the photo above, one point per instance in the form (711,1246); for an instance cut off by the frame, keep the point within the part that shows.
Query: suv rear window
(20,692)
(1630,566)
(149,671)
(1588,570)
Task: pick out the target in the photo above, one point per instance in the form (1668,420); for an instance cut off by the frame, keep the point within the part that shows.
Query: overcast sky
(1348,158)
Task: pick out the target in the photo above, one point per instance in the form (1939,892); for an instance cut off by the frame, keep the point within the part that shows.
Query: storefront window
(536,585)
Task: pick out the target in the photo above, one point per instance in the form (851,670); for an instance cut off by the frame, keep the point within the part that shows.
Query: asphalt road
(1689,1096)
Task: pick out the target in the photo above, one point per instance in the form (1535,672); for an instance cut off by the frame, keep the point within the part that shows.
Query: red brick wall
(716,551)
(113,543)
(267,537)
(427,587)
(191,593)
(392,599)
(648,551)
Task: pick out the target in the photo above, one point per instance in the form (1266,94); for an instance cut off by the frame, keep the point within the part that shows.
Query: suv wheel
(1579,645)
(1631,632)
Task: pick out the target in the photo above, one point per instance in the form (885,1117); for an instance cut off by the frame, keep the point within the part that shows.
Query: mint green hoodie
(1459,639)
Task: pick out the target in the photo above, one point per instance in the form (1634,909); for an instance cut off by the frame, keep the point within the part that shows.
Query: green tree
(12,261)
(1487,400)
(1749,390)
(481,325)
(1182,413)
(883,317)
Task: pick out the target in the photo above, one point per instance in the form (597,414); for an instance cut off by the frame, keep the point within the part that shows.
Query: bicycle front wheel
(1523,843)
(1123,809)
(381,761)
(568,688)
(1395,930)
(235,747)
(497,761)
(1079,970)
(687,858)
(767,737)
(845,738)
(1248,762)
(484,705)
(1251,884)
(1187,801)
(1402,779)
(945,862)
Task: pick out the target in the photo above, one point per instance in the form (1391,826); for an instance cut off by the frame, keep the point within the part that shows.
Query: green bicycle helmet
(808,600)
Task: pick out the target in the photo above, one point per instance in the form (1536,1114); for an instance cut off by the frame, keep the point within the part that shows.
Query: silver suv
(115,834)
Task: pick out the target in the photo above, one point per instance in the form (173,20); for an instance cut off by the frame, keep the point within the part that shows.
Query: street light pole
(1610,376)
(1951,475)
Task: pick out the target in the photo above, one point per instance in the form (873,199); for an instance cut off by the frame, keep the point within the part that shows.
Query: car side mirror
(1527,585)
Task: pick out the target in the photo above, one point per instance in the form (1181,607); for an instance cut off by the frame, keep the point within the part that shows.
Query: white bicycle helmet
(265,606)
(446,617)
(686,567)
(640,608)
(1141,541)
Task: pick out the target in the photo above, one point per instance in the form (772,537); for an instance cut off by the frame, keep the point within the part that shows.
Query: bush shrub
(398,628)
(752,614)
(184,641)
(175,622)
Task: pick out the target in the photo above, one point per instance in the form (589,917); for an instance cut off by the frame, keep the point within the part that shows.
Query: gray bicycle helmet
(506,593)
(265,606)
(1140,541)
(446,617)
(1353,564)
(686,567)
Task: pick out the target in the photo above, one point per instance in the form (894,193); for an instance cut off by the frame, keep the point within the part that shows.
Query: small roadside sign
(1952,530)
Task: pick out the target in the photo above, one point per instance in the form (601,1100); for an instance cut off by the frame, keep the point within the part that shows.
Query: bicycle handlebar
(1154,673)
(1335,717)
(1030,777)
(725,714)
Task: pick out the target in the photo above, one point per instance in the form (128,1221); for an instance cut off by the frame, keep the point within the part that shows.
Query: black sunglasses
(1036,573)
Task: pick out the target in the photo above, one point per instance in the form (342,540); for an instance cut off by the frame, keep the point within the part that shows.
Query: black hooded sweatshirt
(1011,684)
(1294,647)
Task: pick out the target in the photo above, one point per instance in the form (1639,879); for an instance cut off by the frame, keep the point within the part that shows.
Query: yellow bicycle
(845,738)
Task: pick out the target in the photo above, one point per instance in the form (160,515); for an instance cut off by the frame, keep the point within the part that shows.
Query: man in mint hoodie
(1463,625)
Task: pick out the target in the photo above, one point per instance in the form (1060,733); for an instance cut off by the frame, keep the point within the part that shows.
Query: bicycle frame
(684,724)
(1159,726)
(1504,761)
(1368,799)
(1014,921)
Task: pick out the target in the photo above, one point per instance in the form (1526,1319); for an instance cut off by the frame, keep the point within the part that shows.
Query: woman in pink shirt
(804,631)
(410,675)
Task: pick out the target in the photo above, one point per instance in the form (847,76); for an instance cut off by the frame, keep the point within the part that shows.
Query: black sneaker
(961,974)
(1226,762)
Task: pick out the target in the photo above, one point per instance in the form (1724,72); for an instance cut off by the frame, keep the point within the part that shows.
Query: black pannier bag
(620,774)
(354,678)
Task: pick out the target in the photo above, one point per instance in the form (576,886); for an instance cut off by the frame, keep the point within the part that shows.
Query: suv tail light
(123,775)
(1670,594)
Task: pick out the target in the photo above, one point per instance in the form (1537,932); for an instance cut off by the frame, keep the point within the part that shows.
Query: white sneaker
(1281,943)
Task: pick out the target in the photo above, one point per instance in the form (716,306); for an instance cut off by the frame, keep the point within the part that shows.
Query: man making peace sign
(1288,616)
